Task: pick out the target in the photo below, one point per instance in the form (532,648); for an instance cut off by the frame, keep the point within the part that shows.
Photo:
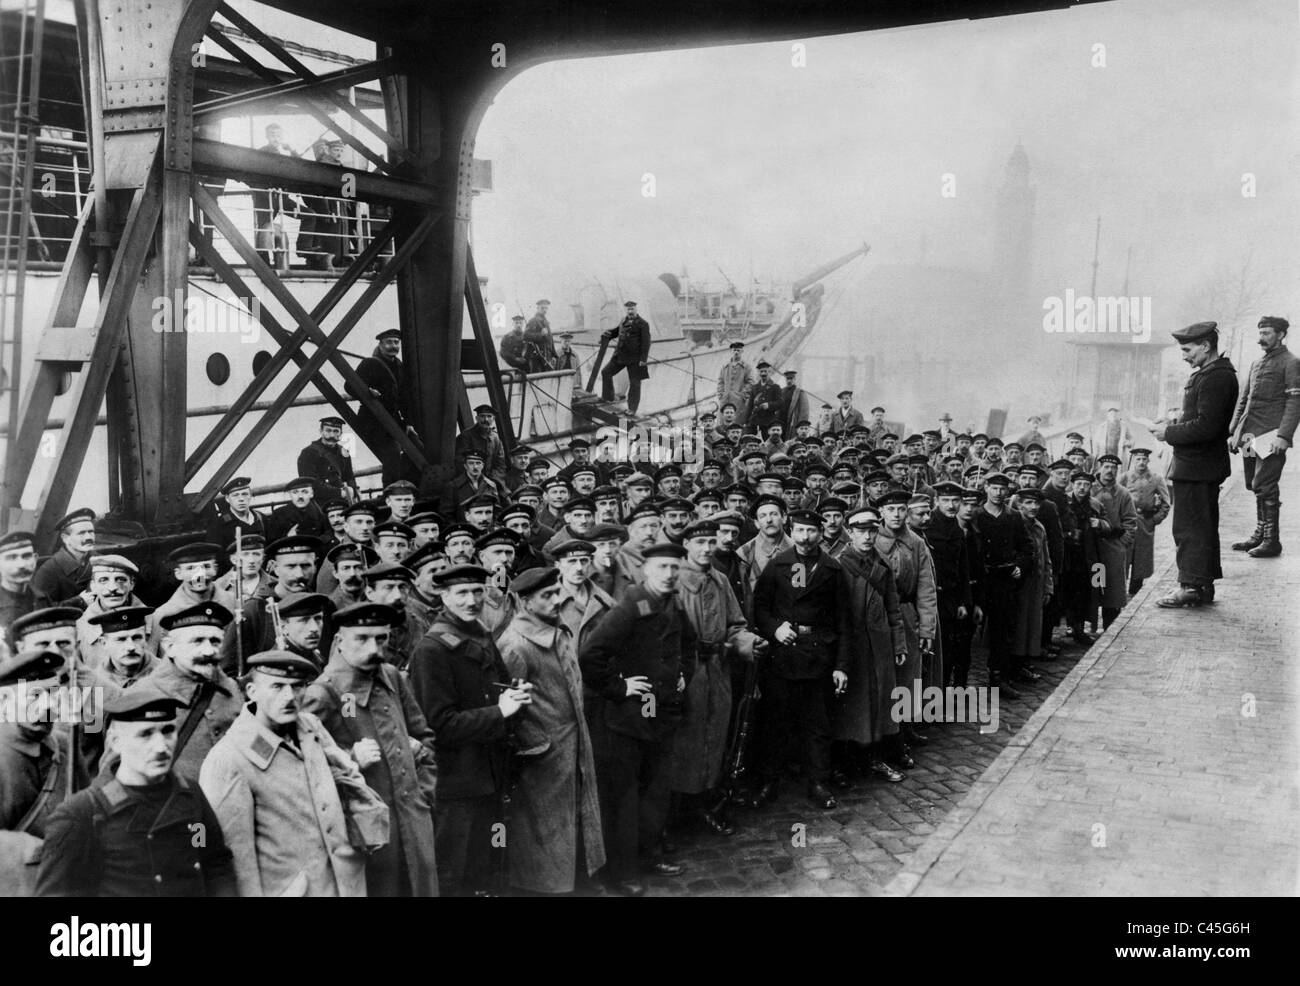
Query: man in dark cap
(17,566)
(301,515)
(794,403)
(194,566)
(1152,500)
(278,783)
(539,346)
(801,606)
(464,690)
(291,562)
(385,376)
(952,577)
(635,666)
(1083,526)
(846,416)
(1007,555)
(735,380)
(125,647)
(1122,518)
(327,463)
(1270,403)
(302,621)
(1201,463)
(134,834)
(389,585)
(513,348)
(632,354)
(369,710)
(348,561)
(66,572)
(235,513)
(247,559)
(468,484)
(764,407)
(52,628)
(556,810)
(483,437)
(112,584)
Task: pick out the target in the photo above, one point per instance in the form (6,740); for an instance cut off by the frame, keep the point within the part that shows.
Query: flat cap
(365,614)
(49,618)
(700,529)
(238,483)
(534,580)
(199,615)
(461,575)
(1274,322)
(607,532)
(35,664)
(116,563)
(84,513)
(809,518)
(895,498)
(122,618)
(282,664)
(198,551)
(293,543)
(298,483)
(15,540)
(143,702)
(1196,332)
(304,604)
(388,571)
(664,549)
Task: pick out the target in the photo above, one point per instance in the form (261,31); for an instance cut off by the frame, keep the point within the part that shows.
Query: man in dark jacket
(635,666)
(764,409)
(952,580)
(456,678)
(1201,463)
(1008,553)
(632,354)
(328,463)
(385,375)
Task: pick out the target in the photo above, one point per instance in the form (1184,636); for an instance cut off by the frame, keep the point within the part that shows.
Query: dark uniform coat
(62,576)
(331,468)
(809,592)
(217,714)
(908,556)
(1199,438)
(764,408)
(633,346)
(354,705)
(1151,499)
(862,713)
(111,840)
(1122,519)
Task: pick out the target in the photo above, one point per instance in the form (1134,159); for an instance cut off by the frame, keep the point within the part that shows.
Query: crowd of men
(541,679)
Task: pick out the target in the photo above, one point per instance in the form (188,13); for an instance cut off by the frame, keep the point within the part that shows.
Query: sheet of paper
(1263,444)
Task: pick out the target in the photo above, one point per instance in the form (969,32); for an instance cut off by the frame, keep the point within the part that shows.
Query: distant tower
(1013,231)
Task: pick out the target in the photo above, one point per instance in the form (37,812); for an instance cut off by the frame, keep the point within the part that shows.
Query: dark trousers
(632,776)
(798,708)
(1053,610)
(1196,532)
(956,635)
(1001,607)
(1262,475)
(463,844)
(612,369)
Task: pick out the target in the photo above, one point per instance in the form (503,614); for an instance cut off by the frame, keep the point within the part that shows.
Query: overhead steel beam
(281,171)
(491,370)
(342,79)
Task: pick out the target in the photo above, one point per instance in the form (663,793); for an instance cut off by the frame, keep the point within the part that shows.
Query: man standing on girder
(632,354)
(385,375)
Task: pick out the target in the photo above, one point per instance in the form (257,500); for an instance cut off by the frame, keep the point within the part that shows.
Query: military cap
(425,553)
(554,481)
(817,469)
(642,511)
(1274,322)
(763,365)
(863,518)
(425,517)
(473,453)
(997,479)
(304,604)
(622,469)
(198,551)
(461,575)
(299,483)
(401,487)
(963,438)
(737,345)
(895,498)
(116,620)
(753,454)
(730,517)
(293,543)
(520,450)
(579,503)
(579,443)
(995,443)
(833,503)
(1061,464)
(947,488)
(796,446)
(712,463)
(365,614)
(710,494)
(247,542)
(199,615)
(973,470)
(360,507)
(919,500)
(606,491)
(953,457)
(931,433)
(738,489)
(700,529)
(582,471)
(539,463)
(32,665)
(483,499)
(1030,493)
(1082,474)
(394,528)
(502,537)
(607,532)
(143,702)
(332,421)
(574,547)
(1110,458)
(348,551)
(790,373)
(83,513)
(664,549)
(117,563)
(534,580)
(640,479)
(460,530)
(45,619)
(629,304)
(846,490)
(388,332)
(770,477)
(979,437)
(1077,451)
(1014,445)
(765,499)
(518,510)
(516,318)
(753,440)
(845,393)
(722,448)
(859,430)
(898,459)
(809,518)
(876,408)
(282,664)
(918,460)
(677,503)
(708,416)
(1034,447)
(1029,467)
(668,470)
(1139,451)
(527,489)
(238,483)
(1074,434)
(1195,333)
(329,506)
(779,458)
(876,476)
(976,495)
(792,483)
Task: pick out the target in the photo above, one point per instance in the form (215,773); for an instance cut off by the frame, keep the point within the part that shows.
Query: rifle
(737,761)
(239,606)
(276,623)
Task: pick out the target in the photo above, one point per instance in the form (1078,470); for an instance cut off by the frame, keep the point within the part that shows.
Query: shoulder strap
(192,720)
(42,796)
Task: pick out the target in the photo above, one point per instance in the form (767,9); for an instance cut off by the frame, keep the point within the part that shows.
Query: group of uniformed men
(538,679)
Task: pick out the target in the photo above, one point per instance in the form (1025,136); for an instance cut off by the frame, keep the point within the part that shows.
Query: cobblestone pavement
(1142,734)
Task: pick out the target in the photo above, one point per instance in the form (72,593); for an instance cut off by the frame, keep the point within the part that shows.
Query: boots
(1270,545)
(1254,540)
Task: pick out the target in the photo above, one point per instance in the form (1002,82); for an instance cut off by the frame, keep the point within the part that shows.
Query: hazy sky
(757,160)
